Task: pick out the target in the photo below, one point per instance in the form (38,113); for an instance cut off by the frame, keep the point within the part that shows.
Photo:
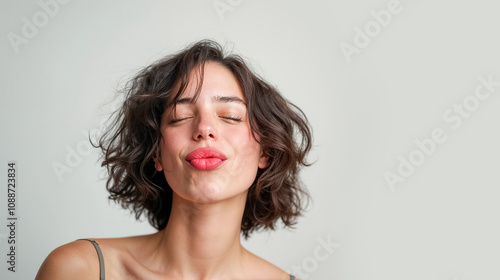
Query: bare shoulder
(262,269)
(77,260)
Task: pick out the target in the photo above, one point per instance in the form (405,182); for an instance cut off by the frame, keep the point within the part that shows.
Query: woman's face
(208,152)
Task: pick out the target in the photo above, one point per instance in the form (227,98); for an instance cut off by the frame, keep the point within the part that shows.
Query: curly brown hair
(132,140)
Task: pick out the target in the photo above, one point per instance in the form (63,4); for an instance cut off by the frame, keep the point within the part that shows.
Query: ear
(263,160)
(158,165)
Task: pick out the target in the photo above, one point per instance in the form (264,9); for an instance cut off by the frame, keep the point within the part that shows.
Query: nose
(205,128)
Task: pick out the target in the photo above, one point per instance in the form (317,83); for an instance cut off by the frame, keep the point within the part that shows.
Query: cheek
(246,146)
(169,149)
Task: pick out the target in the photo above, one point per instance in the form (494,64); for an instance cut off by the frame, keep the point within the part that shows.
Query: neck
(203,240)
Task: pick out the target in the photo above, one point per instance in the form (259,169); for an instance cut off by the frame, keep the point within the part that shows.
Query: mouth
(206,158)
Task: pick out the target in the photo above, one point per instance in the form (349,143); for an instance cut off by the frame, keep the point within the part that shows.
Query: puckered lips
(206,158)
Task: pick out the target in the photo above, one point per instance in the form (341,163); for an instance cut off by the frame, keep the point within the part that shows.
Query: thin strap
(101,259)
(292,277)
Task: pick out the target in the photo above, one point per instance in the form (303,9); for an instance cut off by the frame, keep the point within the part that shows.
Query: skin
(202,237)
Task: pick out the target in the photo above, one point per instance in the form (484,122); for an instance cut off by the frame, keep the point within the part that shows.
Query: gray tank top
(101,259)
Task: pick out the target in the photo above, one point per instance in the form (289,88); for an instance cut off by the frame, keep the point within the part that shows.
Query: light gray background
(441,223)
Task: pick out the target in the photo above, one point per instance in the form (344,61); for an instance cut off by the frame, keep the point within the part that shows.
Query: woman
(206,150)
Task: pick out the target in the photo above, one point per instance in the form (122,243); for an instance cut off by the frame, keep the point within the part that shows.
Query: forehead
(210,81)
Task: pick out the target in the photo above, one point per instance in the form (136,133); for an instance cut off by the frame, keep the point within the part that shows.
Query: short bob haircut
(132,140)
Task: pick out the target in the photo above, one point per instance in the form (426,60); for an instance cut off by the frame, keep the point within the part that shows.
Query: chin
(211,194)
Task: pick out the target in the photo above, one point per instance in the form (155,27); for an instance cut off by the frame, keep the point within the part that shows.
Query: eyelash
(173,121)
(235,119)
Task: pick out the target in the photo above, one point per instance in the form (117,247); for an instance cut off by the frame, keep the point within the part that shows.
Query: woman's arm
(76,260)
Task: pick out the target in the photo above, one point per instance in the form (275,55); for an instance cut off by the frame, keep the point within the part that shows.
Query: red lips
(206,158)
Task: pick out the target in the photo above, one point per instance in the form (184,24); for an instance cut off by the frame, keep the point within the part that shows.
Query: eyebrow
(217,99)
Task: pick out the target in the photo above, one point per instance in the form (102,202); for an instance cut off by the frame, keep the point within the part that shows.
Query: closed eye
(174,121)
(228,119)
(232,119)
